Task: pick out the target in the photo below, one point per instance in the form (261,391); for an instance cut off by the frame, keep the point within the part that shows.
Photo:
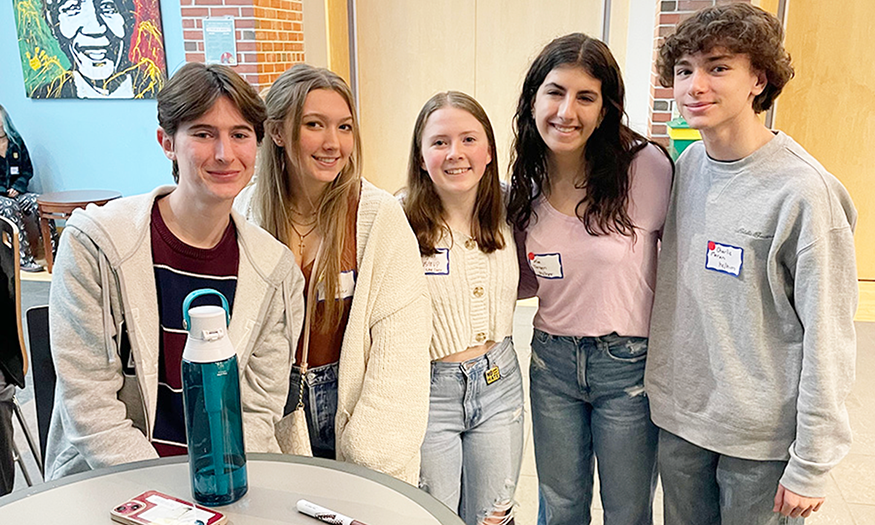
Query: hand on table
(12,193)
(790,504)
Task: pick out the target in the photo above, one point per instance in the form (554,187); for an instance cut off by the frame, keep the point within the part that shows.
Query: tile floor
(851,490)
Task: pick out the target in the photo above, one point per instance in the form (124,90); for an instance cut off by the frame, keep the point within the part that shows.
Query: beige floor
(851,489)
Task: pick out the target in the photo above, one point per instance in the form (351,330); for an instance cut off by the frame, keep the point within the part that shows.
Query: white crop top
(473,294)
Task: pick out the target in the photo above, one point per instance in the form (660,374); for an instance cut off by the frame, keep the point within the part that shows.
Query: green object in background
(680,136)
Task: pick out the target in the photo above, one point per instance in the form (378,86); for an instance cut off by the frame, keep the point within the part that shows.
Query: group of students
(724,368)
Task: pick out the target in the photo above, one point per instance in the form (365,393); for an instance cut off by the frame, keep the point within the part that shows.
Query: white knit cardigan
(383,384)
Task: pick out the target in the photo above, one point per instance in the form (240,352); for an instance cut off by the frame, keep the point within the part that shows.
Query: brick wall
(279,37)
(270,35)
(669,13)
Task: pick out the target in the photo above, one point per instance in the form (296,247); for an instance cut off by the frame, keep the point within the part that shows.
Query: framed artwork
(91,48)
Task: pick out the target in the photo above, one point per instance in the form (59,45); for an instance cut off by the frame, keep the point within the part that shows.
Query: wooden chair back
(10,287)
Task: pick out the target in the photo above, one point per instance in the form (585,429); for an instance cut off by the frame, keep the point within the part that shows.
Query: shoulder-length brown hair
(423,205)
(272,201)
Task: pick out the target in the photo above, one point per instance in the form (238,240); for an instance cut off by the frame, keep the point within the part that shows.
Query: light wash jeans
(473,447)
(588,401)
(706,488)
(320,405)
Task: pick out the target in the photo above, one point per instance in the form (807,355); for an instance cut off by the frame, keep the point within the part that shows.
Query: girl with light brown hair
(366,338)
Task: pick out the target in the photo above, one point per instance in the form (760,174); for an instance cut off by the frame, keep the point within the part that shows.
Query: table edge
(109,195)
(434,507)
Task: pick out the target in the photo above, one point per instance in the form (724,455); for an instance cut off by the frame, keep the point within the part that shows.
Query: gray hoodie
(103,277)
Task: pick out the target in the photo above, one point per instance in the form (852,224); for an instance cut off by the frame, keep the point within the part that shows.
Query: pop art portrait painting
(95,49)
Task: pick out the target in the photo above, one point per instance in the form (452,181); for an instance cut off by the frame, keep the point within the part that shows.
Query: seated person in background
(16,203)
(123,270)
(752,343)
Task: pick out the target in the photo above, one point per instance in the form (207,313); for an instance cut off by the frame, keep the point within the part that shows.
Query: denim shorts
(320,405)
(473,447)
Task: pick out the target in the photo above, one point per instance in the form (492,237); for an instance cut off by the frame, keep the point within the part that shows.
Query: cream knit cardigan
(383,385)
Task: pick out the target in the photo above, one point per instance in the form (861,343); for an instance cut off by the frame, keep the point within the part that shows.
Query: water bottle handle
(186,304)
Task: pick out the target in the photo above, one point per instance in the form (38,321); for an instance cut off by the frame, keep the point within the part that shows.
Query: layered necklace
(302,236)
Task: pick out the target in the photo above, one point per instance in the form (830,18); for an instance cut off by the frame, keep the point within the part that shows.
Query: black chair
(14,355)
(43,371)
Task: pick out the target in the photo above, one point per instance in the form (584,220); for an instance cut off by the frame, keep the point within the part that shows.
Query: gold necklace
(302,236)
(299,214)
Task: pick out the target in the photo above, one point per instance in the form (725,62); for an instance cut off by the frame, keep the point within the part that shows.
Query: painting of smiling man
(91,48)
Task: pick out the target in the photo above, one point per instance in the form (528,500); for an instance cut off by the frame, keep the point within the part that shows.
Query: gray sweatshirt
(752,341)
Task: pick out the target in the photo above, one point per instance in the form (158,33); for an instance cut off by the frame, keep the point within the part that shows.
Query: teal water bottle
(211,396)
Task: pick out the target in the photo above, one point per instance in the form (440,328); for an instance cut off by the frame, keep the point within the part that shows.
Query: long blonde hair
(272,201)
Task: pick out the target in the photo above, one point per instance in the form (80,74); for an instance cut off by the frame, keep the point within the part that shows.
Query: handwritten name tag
(724,258)
(346,287)
(546,265)
(13,170)
(437,264)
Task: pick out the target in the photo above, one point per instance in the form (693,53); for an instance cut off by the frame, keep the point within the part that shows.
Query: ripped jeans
(473,447)
(588,402)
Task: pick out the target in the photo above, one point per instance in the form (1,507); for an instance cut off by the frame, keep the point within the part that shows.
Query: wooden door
(829,107)
(408,51)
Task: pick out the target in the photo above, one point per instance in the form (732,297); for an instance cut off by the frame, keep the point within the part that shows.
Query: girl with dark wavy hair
(588,200)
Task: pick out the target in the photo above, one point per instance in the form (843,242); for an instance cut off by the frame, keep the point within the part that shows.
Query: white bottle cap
(208,340)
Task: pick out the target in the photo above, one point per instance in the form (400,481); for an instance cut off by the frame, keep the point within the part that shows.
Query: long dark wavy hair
(422,203)
(608,152)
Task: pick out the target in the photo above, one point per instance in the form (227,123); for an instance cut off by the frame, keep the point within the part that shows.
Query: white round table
(276,483)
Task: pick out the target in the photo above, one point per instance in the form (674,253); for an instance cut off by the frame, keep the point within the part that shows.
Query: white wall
(639,54)
(315,33)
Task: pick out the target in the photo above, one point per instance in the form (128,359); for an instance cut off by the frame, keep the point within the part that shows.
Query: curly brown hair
(741,29)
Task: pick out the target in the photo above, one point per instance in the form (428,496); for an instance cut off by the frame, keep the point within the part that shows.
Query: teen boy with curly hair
(752,342)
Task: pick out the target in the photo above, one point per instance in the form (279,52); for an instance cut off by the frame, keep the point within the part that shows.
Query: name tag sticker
(724,258)
(546,265)
(346,287)
(437,264)
(13,170)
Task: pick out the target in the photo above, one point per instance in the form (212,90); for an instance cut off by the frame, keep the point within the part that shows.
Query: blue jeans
(588,401)
(706,488)
(473,447)
(320,405)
